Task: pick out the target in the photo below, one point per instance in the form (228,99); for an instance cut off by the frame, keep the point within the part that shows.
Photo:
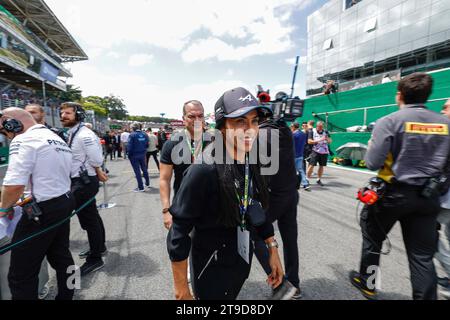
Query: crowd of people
(16,97)
(312,148)
(222,205)
(410,149)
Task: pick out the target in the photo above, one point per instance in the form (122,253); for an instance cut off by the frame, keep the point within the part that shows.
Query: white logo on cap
(249,98)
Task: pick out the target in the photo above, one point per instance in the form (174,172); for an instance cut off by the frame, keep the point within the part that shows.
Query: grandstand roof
(40,19)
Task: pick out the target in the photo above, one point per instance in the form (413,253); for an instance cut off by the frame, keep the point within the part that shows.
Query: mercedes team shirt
(40,159)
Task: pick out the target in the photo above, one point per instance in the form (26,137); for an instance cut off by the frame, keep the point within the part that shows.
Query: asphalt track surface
(137,264)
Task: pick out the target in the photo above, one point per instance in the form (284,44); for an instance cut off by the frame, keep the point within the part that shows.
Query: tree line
(110,106)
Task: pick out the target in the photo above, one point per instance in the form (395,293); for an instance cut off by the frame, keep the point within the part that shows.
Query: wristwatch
(165,210)
(273,244)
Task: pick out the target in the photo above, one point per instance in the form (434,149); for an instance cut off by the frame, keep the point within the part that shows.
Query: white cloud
(113,54)
(285,87)
(231,30)
(139,60)
(143,98)
(170,24)
(291,61)
(94,52)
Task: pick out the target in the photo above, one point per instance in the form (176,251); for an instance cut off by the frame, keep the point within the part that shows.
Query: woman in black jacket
(221,200)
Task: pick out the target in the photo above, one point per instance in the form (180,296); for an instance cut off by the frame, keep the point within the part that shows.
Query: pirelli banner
(426,128)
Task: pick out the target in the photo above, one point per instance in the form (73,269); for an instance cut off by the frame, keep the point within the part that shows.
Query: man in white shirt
(86,174)
(33,148)
(124,141)
(38,114)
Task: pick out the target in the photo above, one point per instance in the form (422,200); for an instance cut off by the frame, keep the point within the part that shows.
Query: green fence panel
(379,95)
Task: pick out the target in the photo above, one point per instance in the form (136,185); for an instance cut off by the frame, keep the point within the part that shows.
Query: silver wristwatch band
(273,244)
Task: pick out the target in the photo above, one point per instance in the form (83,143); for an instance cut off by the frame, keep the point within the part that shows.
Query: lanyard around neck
(190,145)
(72,136)
(243,200)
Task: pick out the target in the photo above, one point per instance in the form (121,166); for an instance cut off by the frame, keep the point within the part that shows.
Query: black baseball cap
(236,103)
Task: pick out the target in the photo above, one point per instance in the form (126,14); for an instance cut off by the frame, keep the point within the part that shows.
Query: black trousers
(153,154)
(417,217)
(26,258)
(220,282)
(220,279)
(89,217)
(110,151)
(284,211)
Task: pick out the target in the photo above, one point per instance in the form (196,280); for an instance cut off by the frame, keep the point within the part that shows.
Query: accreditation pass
(244,244)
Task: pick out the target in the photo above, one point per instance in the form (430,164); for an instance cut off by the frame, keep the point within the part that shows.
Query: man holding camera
(33,148)
(411,149)
(283,201)
(85,174)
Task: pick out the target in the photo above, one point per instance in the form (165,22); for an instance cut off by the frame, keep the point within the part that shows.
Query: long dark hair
(229,214)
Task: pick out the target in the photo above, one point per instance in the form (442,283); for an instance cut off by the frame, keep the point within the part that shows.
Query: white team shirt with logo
(40,159)
(86,149)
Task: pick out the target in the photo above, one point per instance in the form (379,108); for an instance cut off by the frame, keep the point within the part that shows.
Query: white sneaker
(139,190)
(285,291)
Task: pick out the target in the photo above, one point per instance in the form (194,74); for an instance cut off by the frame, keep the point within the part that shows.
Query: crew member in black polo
(177,162)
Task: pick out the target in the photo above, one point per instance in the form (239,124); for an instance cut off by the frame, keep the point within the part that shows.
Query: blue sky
(156,54)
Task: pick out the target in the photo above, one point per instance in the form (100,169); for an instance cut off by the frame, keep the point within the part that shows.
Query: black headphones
(12,125)
(80,114)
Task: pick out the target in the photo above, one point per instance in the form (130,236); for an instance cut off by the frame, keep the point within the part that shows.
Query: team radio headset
(12,125)
(80,115)
(369,195)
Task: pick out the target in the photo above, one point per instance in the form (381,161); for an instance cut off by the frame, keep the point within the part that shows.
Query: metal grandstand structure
(34,47)
(39,18)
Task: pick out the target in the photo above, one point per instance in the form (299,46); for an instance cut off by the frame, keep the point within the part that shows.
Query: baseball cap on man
(237,103)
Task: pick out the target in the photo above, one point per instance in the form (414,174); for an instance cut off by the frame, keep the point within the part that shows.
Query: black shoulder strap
(72,137)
